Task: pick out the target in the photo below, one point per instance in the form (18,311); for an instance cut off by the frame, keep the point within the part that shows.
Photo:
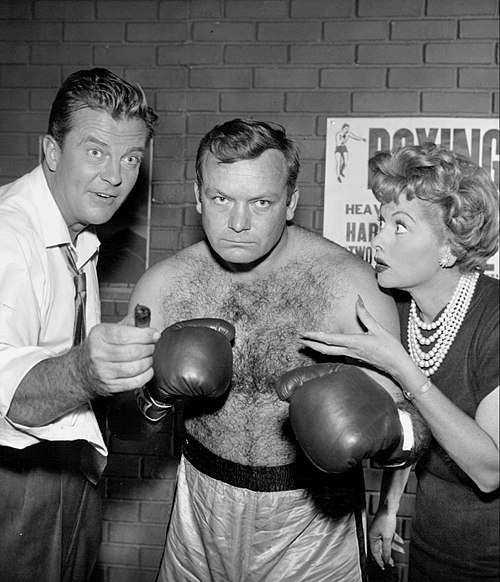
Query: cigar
(142,316)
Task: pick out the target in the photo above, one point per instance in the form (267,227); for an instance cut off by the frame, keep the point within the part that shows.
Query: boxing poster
(350,209)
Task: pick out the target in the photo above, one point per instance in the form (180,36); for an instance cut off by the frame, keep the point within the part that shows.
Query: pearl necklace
(446,326)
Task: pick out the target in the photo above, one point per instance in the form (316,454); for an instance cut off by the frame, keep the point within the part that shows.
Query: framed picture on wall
(350,209)
(124,253)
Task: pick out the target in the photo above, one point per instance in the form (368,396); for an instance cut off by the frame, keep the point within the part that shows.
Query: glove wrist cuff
(150,408)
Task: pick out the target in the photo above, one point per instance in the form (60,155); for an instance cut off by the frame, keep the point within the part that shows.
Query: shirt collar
(54,229)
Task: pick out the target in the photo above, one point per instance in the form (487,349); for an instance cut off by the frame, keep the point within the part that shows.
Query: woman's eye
(400,228)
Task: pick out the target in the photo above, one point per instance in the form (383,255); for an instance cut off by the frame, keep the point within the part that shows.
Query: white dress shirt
(37,310)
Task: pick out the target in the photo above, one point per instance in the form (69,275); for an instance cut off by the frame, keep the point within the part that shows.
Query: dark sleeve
(487,346)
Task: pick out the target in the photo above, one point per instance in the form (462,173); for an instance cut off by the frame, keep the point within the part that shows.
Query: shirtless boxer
(249,505)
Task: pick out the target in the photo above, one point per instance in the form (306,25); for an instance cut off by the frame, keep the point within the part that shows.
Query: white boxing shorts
(219,532)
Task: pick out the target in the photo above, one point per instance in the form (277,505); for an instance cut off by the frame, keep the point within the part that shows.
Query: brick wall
(206,61)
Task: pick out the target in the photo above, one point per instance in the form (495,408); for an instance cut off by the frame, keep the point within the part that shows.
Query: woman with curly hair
(438,228)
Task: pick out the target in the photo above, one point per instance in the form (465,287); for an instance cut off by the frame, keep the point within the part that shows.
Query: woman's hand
(376,346)
(383,538)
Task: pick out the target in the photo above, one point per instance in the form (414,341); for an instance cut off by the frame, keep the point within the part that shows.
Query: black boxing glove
(192,358)
(341,416)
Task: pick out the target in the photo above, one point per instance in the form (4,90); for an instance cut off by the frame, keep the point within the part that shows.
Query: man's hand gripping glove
(341,416)
(192,358)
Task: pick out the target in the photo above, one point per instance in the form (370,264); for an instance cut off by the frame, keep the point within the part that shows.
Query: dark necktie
(80,281)
(92,463)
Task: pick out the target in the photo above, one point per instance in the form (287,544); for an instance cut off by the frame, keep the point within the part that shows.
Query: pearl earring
(444,261)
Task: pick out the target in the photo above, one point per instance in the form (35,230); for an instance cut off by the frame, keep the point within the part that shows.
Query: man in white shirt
(51,449)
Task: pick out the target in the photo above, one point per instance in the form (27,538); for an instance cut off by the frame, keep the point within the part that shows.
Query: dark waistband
(48,455)
(299,475)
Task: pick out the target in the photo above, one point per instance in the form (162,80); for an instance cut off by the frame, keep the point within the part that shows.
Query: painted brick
(187,101)
(12,99)
(120,510)
(289,31)
(190,54)
(223,31)
(160,468)
(191,215)
(150,534)
(167,216)
(130,575)
(242,101)
(167,146)
(140,489)
(250,53)
(479,28)
(190,236)
(425,77)
(22,121)
(170,124)
(70,54)
(322,8)
(174,10)
(394,102)
(155,512)
(159,445)
(65,10)
(158,32)
(457,103)
(150,556)
(93,31)
(262,9)
(12,144)
(123,466)
(304,217)
(27,76)
(316,54)
(14,53)
(317,101)
(288,77)
(169,169)
(172,77)
(15,10)
(310,195)
(423,29)
(165,239)
(462,7)
(389,53)
(118,10)
(224,77)
(355,78)
(479,78)
(34,31)
(108,55)
(119,554)
(168,194)
(206,8)
(459,52)
(390,8)
(344,30)
(311,148)
(496,103)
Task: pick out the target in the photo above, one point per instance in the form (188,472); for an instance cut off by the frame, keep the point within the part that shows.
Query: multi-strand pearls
(446,326)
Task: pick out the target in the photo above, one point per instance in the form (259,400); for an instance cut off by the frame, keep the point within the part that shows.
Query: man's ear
(292,204)
(51,152)
(197,195)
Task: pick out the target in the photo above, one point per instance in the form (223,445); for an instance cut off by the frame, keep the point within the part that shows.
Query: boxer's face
(244,206)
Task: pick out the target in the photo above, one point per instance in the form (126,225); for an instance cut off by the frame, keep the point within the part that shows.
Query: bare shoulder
(155,283)
(346,276)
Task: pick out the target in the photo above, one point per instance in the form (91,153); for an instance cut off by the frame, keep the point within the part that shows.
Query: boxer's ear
(292,204)
(197,194)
